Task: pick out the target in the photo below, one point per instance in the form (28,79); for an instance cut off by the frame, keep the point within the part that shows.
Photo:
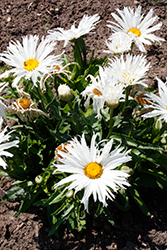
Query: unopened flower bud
(126,169)
(38,179)
(65,93)
(70,193)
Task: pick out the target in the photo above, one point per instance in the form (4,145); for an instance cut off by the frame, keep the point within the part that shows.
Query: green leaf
(108,215)
(14,193)
(26,204)
(136,196)
(134,143)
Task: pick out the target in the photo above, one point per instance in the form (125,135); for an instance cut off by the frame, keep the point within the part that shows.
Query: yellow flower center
(93,170)
(126,75)
(97,92)
(135,31)
(56,67)
(30,64)
(24,103)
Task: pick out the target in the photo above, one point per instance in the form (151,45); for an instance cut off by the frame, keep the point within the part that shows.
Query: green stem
(127,91)
(110,122)
(130,52)
(70,106)
(40,98)
(80,60)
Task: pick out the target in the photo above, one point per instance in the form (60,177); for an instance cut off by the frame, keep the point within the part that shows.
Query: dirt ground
(133,230)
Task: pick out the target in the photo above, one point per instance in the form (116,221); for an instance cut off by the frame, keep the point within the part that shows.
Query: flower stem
(40,98)
(70,106)
(131,48)
(127,91)
(110,122)
(77,54)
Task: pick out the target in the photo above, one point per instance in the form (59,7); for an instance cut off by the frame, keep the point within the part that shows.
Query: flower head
(26,109)
(93,169)
(30,60)
(85,26)
(138,28)
(94,91)
(103,89)
(119,43)
(158,104)
(131,70)
(4,144)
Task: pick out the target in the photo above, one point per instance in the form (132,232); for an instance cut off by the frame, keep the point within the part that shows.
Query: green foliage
(32,163)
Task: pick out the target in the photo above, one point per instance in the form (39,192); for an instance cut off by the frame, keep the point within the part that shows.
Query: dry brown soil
(133,230)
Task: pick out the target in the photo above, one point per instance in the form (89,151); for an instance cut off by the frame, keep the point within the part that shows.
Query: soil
(133,230)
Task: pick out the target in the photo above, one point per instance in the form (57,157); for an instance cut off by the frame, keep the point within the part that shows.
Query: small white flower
(93,170)
(65,93)
(103,89)
(158,104)
(137,26)
(131,70)
(56,68)
(94,91)
(119,43)
(30,60)
(85,26)
(4,137)
(113,93)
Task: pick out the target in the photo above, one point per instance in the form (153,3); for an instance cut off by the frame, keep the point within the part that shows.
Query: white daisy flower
(113,93)
(85,26)
(31,60)
(93,169)
(130,71)
(158,104)
(119,43)
(94,91)
(103,89)
(138,27)
(4,137)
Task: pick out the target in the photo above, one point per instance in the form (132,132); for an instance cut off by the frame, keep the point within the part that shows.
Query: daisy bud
(38,179)
(65,93)
(70,193)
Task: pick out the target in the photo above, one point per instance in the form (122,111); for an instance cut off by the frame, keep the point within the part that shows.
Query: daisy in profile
(30,60)
(94,91)
(4,144)
(104,89)
(158,104)
(113,93)
(130,70)
(138,27)
(118,44)
(25,108)
(93,170)
(85,26)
